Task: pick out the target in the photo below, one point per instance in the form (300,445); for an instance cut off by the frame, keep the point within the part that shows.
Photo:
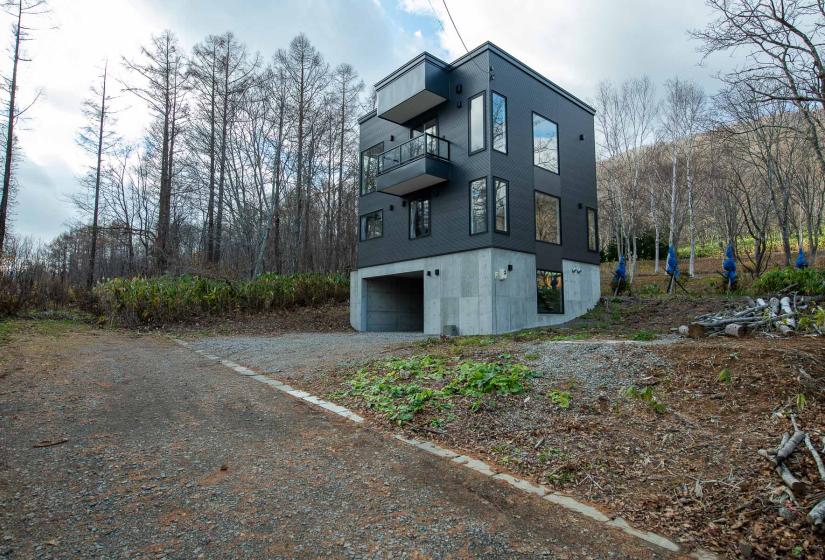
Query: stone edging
(477,465)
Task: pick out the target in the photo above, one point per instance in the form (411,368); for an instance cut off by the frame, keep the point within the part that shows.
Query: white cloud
(578,44)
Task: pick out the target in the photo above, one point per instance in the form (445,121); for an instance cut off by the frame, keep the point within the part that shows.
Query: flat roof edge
(363,118)
(486,46)
(407,65)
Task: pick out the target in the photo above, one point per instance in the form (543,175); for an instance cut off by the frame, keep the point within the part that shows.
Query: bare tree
(21,10)
(306,74)
(161,86)
(625,120)
(783,42)
(96,138)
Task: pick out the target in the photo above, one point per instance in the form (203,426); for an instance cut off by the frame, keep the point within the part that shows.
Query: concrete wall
(465,292)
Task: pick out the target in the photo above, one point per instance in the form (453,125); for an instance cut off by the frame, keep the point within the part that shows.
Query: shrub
(808,281)
(166,299)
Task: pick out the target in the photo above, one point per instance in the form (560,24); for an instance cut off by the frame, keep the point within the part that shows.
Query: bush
(807,281)
(166,299)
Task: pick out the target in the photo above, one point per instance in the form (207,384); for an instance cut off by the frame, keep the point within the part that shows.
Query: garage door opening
(395,303)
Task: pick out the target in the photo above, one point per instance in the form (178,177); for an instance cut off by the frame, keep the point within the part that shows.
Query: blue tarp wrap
(801,261)
(621,272)
(672,267)
(729,265)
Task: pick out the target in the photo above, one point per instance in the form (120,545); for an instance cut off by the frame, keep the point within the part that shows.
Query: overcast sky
(574,43)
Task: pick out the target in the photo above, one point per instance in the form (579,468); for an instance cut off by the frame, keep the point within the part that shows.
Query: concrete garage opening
(395,303)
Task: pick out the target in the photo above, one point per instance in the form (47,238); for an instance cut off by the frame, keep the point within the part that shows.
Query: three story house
(478,210)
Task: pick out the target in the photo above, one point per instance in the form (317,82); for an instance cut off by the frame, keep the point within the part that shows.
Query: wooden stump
(695,330)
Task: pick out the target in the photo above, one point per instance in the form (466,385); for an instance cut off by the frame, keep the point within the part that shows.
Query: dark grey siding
(576,182)
(450,216)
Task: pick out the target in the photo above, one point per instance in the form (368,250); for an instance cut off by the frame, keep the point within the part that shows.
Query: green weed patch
(400,388)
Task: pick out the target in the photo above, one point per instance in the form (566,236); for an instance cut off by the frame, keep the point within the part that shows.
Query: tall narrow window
(550,291)
(369,167)
(499,120)
(545,143)
(419,218)
(592,231)
(502,188)
(478,206)
(372,225)
(548,218)
(477,123)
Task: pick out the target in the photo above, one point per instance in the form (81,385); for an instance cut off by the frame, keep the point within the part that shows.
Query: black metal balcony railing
(425,145)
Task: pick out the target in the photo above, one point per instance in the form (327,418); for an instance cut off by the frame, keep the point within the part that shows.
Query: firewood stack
(788,495)
(778,315)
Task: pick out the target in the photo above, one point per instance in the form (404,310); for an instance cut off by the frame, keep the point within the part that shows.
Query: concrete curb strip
(481,467)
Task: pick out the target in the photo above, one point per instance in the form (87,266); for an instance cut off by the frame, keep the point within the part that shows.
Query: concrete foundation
(469,293)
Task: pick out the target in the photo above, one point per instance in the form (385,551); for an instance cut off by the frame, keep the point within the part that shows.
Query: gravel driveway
(304,355)
(169,455)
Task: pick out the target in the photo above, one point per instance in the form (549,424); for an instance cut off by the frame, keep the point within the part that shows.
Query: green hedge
(167,299)
(808,281)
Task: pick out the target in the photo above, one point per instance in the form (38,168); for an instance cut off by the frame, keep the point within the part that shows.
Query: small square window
(550,292)
(372,225)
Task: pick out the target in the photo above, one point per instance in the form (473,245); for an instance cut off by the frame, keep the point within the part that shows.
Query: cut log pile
(789,495)
(777,315)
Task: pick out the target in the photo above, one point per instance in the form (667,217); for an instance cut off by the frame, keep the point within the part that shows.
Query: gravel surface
(304,355)
(171,456)
(597,366)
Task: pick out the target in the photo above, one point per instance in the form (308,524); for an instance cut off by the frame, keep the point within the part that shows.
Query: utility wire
(460,38)
(454,26)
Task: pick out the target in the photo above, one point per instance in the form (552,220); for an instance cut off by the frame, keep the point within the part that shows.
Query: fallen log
(785,450)
(796,485)
(817,514)
(817,459)
(735,329)
(696,330)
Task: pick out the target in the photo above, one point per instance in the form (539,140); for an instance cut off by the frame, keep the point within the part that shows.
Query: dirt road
(170,455)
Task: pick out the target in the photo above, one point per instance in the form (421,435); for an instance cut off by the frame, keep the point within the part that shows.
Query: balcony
(413,89)
(414,165)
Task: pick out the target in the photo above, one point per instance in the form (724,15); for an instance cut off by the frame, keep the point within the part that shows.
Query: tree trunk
(222,172)
(165,197)
(4,199)
(671,233)
(90,279)
(210,212)
(691,224)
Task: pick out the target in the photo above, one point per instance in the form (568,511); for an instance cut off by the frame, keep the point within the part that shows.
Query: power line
(455,27)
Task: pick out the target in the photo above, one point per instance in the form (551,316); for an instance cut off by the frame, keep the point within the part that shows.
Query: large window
(549,291)
(499,120)
(419,218)
(502,189)
(592,231)
(369,167)
(478,206)
(545,143)
(372,225)
(476,134)
(548,218)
